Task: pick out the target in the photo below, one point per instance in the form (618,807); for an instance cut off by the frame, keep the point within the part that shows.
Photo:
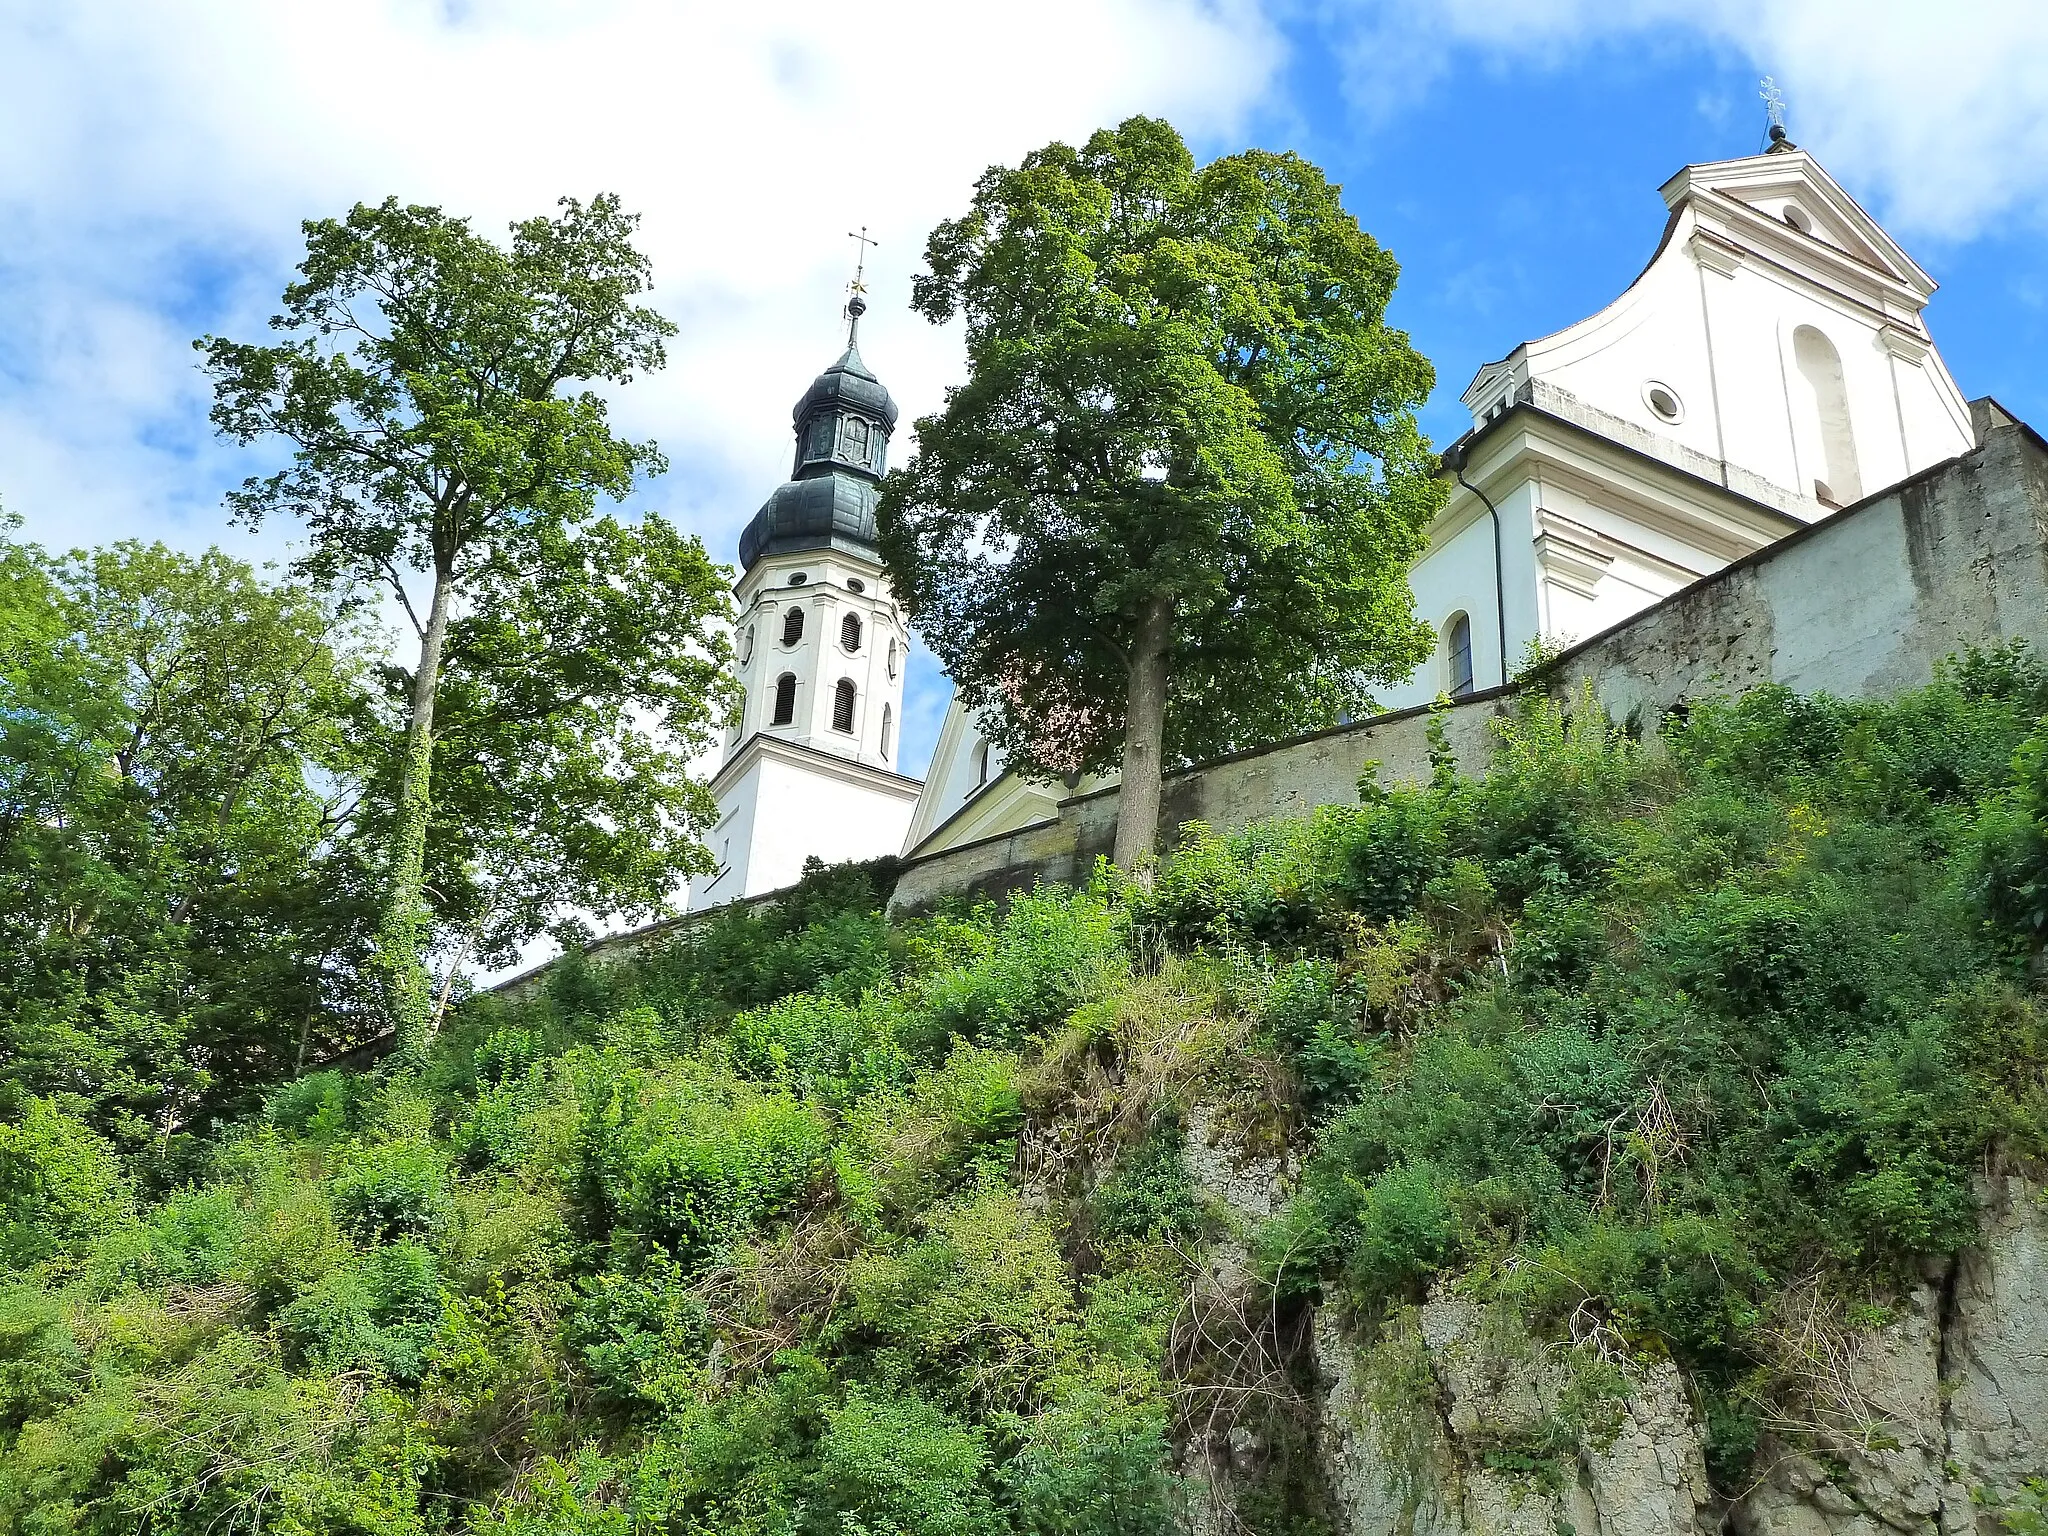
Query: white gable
(1776,335)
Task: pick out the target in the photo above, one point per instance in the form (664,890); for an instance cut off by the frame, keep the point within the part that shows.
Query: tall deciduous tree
(430,386)
(181,911)
(1171,511)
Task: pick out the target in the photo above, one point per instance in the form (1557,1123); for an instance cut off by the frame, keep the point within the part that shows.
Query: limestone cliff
(1452,1423)
(1450,1420)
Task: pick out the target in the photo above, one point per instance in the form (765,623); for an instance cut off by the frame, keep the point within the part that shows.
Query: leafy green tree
(569,708)
(427,386)
(1172,510)
(180,908)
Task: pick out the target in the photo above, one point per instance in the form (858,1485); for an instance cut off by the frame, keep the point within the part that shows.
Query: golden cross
(860,266)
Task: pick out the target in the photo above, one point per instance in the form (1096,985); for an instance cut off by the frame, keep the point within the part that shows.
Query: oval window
(1663,402)
(1796,217)
(798,578)
(855,584)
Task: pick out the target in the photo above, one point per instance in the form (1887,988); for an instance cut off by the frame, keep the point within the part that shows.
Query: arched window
(747,645)
(785,699)
(792,626)
(892,656)
(849,633)
(1458,656)
(842,705)
(981,764)
(1820,367)
(888,720)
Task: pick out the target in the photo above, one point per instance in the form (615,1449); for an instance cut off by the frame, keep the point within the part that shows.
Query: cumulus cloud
(1941,110)
(156,157)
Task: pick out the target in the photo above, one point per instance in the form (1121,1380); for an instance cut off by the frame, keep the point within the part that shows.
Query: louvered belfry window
(785,699)
(842,705)
(792,626)
(849,632)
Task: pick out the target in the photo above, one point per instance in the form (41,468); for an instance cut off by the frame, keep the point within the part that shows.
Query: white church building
(1769,366)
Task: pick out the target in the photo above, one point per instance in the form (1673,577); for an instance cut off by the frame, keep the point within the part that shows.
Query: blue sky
(156,156)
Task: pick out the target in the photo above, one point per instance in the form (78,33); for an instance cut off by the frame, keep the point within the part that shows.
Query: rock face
(1453,1423)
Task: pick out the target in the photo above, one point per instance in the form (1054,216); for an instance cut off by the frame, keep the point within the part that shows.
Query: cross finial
(856,305)
(1774,108)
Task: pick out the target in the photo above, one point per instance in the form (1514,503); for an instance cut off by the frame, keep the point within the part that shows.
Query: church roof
(847,382)
(829,511)
(841,423)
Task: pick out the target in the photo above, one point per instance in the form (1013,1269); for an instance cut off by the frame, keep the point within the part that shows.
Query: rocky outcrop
(1456,1422)
(1995,1351)
(1452,1422)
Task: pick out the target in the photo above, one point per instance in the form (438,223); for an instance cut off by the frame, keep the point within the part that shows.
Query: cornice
(811,759)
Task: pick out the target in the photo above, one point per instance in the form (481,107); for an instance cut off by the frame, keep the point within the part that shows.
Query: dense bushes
(814,1225)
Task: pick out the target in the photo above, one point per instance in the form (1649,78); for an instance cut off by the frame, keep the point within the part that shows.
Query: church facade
(810,759)
(1769,366)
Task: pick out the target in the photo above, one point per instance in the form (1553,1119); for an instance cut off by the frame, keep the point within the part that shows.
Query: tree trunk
(402,932)
(1137,814)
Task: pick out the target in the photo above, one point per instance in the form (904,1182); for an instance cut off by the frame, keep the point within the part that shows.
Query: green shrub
(640,1336)
(1147,1194)
(1053,950)
(42,1364)
(196,1235)
(1312,1024)
(1397,848)
(321,1106)
(893,1465)
(983,1301)
(377,1313)
(391,1190)
(60,1185)
(700,1169)
(820,1046)
(1270,883)
(1095,1465)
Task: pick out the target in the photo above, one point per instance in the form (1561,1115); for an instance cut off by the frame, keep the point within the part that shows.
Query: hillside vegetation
(816,1223)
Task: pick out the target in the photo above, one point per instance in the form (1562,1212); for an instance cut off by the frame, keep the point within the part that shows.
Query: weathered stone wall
(1865,603)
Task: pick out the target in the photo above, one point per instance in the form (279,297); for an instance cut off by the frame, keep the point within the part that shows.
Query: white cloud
(156,157)
(1940,111)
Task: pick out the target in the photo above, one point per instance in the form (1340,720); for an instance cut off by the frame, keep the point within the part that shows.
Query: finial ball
(1777,132)
(856,306)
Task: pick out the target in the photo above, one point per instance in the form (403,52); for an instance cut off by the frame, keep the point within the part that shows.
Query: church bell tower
(821,643)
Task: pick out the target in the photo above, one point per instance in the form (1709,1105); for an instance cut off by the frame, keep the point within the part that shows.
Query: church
(1769,366)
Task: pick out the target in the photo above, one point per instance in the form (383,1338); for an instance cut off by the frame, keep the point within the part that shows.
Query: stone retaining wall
(1863,604)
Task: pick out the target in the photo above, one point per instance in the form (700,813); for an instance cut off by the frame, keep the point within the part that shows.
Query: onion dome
(843,423)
